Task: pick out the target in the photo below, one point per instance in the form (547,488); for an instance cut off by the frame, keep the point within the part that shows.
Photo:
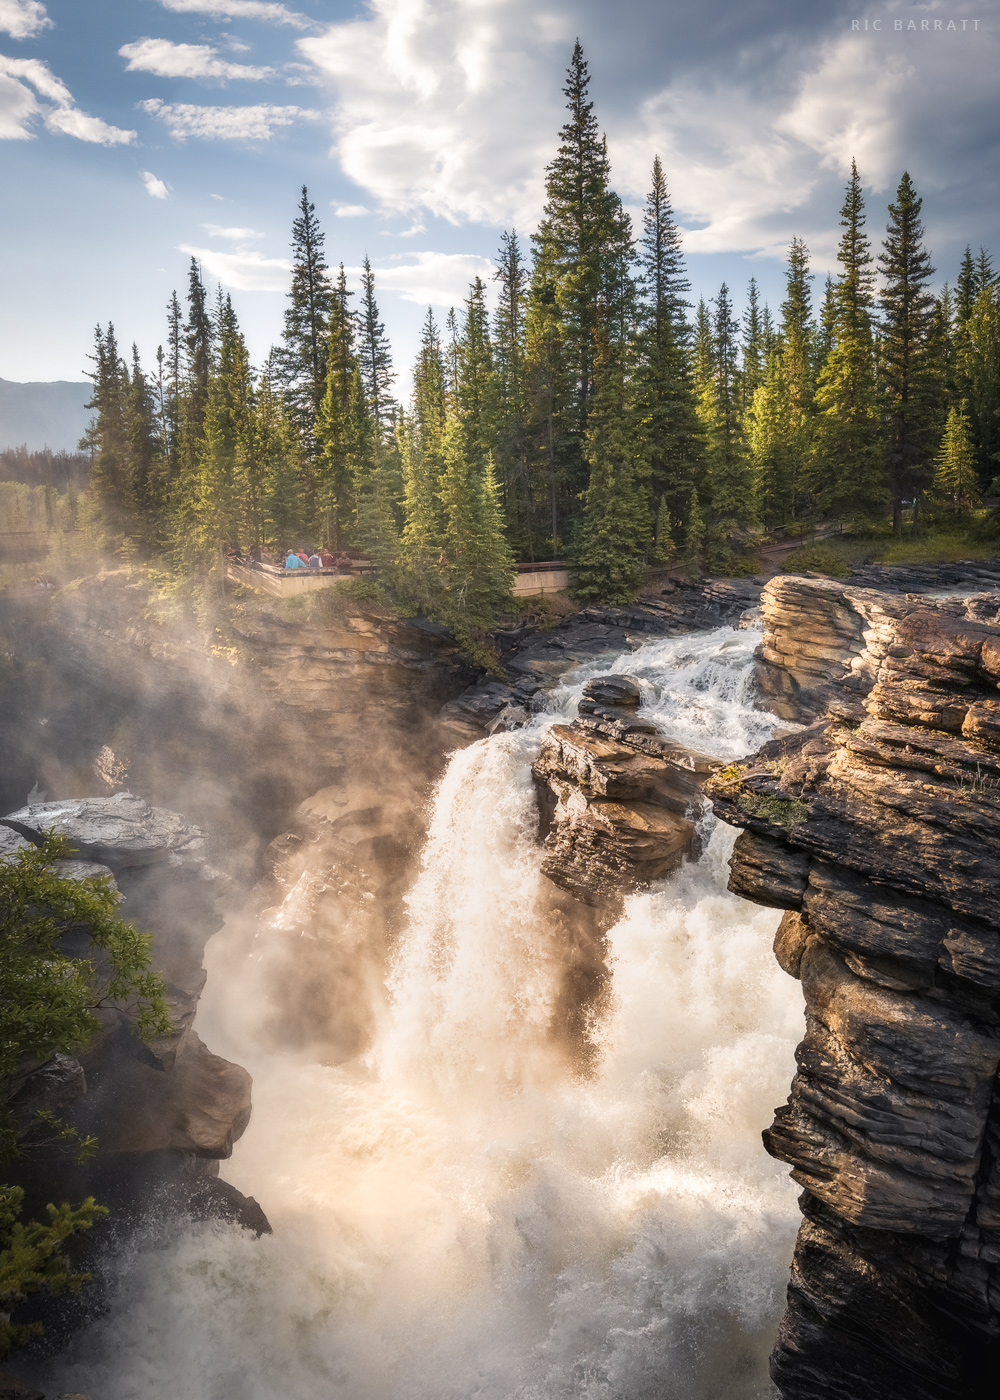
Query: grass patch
(818,558)
(779,811)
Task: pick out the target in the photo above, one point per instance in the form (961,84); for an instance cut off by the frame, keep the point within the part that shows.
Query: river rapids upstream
(460,1214)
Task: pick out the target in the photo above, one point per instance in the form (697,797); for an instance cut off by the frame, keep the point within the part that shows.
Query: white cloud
(449,107)
(154,187)
(243,271)
(19,106)
(23,19)
(169,60)
(350,211)
(454,108)
(257,123)
(241,9)
(237,235)
(436,279)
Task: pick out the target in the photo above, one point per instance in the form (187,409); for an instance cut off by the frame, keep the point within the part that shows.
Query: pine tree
(476,558)
(848,460)
(664,548)
(302,359)
(826,331)
(510,429)
(546,390)
(475,375)
(107,439)
(665,389)
(966,287)
(790,443)
(754,345)
(955,465)
(335,466)
(145,456)
(694,535)
(198,343)
(277,450)
(173,387)
(774,442)
(611,538)
(979,379)
(429,386)
(912,378)
(374,355)
(728,481)
(585,244)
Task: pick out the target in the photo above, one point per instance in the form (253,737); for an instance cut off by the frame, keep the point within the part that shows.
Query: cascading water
(462,1213)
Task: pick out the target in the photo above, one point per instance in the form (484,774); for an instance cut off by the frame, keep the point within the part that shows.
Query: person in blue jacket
(293,561)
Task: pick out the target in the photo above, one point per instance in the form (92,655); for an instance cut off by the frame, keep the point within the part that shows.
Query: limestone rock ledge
(878,830)
(164,1114)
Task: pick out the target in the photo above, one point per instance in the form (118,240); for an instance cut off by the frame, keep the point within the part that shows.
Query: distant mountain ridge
(43,414)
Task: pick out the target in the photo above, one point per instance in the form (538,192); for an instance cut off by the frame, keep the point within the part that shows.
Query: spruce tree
(547,393)
(664,384)
(510,406)
(955,476)
(792,440)
(173,388)
(475,376)
(145,450)
(107,439)
(585,244)
(198,344)
(612,537)
(979,379)
(303,359)
(277,449)
(754,345)
(374,355)
(477,563)
(848,464)
(334,466)
(694,535)
(664,548)
(774,442)
(729,481)
(912,376)
(966,288)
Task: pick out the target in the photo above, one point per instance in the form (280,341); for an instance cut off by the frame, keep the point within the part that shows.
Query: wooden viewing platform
(532,579)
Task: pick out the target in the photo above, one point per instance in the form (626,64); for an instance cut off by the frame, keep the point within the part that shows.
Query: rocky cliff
(877,828)
(164,1114)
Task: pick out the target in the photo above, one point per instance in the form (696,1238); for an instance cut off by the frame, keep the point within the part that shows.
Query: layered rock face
(877,829)
(164,1114)
(619,803)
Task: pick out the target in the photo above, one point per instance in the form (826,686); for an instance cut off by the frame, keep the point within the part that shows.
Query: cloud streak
(434,279)
(252,123)
(263,10)
(20,107)
(244,270)
(169,60)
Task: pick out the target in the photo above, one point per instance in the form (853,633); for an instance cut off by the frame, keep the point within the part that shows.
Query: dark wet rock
(13,1389)
(878,829)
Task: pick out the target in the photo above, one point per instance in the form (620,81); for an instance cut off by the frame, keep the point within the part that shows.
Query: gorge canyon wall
(877,829)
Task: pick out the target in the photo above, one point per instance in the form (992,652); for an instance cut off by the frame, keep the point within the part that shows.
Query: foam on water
(461,1214)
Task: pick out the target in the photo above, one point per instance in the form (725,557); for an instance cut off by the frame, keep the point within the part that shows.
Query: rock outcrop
(102,692)
(164,1114)
(619,803)
(877,829)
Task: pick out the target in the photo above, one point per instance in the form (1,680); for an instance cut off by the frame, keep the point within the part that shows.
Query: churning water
(462,1214)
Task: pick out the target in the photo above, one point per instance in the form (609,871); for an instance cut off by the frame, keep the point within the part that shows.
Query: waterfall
(464,1212)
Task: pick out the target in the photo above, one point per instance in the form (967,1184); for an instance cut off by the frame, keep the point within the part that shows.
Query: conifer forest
(595,415)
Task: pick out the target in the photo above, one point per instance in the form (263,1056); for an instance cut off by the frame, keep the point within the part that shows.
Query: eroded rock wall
(164,1114)
(877,829)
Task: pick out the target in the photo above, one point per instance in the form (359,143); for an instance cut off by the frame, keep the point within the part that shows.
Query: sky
(135,134)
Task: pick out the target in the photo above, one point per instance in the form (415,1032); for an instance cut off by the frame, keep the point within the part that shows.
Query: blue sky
(133,132)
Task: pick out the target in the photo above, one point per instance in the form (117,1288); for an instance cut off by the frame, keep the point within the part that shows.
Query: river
(465,1212)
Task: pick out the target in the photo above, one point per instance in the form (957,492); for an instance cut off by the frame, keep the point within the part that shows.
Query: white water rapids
(461,1216)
